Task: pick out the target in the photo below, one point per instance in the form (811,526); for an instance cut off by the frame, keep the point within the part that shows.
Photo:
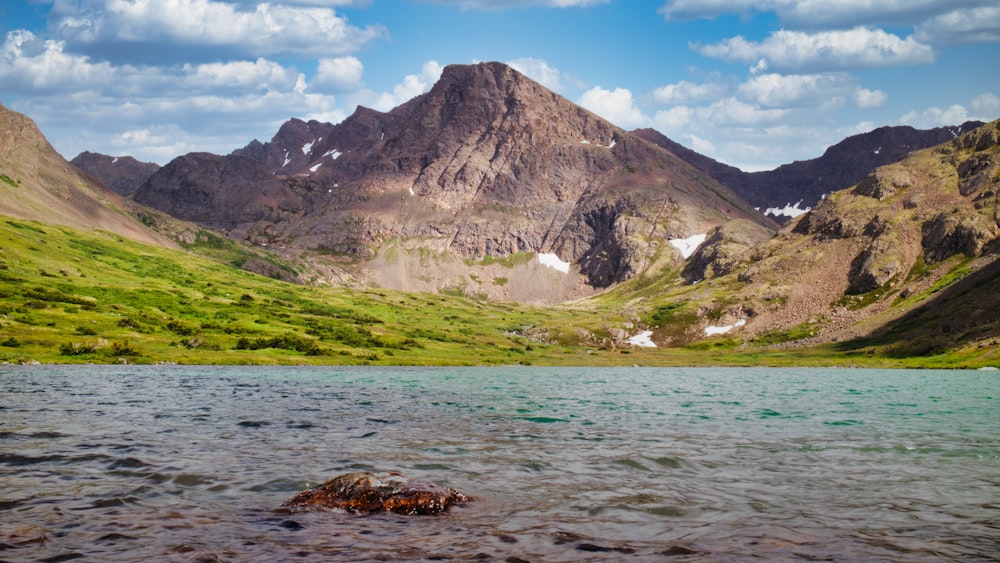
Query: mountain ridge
(488,163)
(802,184)
(901,265)
(38,184)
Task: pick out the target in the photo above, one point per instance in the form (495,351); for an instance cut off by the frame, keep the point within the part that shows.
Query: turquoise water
(182,463)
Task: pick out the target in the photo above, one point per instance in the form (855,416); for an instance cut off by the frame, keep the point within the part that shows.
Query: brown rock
(367,493)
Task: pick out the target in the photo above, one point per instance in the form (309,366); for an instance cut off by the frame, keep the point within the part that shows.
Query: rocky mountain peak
(486,163)
(123,174)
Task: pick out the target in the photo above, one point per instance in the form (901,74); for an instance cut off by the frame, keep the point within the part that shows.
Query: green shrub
(70,349)
(283,342)
(11,342)
(181,329)
(121,349)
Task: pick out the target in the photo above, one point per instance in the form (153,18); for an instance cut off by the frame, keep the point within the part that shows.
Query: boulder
(368,493)
(948,234)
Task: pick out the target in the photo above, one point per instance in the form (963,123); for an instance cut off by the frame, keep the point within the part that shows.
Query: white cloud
(341,74)
(615,105)
(539,71)
(675,120)
(242,76)
(31,65)
(495,5)
(800,90)
(412,85)
(711,9)
(936,117)
(986,107)
(869,99)
(844,13)
(822,14)
(973,25)
(685,92)
(697,144)
(260,29)
(734,112)
(823,51)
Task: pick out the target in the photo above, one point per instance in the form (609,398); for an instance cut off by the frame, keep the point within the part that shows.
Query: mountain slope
(488,163)
(802,184)
(864,257)
(36,183)
(122,174)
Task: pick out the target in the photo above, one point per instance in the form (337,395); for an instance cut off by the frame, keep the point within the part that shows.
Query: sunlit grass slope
(68,296)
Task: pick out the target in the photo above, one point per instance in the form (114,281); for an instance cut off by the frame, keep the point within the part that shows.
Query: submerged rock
(367,493)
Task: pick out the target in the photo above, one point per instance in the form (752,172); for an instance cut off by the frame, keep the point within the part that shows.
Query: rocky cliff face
(221,192)
(802,184)
(123,175)
(487,163)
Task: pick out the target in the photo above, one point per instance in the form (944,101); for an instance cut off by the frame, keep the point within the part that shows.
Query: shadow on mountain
(961,314)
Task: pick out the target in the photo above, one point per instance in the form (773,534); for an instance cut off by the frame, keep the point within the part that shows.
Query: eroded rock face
(729,246)
(368,493)
(948,234)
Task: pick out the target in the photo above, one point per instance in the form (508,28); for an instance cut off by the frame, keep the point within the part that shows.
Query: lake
(187,463)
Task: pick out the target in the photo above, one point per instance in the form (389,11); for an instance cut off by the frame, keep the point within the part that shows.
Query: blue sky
(753,83)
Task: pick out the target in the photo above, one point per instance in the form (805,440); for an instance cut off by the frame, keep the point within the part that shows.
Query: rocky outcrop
(728,247)
(368,493)
(976,172)
(123,175)
(948,234)
(883,183)
(291,149)
(882,261)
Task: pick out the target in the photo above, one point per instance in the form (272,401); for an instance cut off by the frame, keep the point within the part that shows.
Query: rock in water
(366,493)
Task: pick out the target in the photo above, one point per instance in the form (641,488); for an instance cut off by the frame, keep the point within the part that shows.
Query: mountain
(36,183)
(123,174)
(487,164)
(791,188)
(878,254)
(219,192)
(900,269)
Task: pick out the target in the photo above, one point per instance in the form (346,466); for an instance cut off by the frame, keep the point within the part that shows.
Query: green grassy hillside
(93,297)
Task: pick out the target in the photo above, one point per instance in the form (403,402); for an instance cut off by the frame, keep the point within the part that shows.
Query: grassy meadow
(68,296)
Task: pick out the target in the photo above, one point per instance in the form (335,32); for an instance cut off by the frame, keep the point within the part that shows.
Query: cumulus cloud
(617,106)
(734,112)
(985,107)
(258,29)
(820,14)
(685,92)
(539,71)
(411,86)
(32,65)
(801,90)
(340,74)
(936,117)
(823,51)
(710,9)
(869,99)
(972,25)
(494,5)
(240,76)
